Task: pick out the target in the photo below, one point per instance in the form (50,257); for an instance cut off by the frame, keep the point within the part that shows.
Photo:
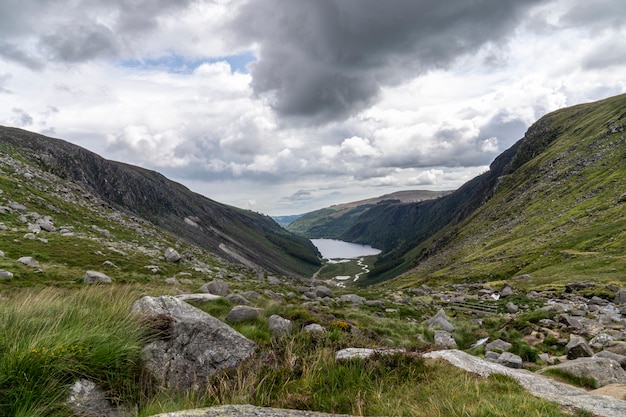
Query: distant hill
(239,235)
(334,221)
(553,205)
(285,221)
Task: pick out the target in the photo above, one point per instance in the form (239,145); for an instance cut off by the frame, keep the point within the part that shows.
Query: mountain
(239,235)
(333,222)
(552,205)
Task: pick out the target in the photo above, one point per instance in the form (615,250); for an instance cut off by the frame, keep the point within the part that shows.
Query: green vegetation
(559,216)
(335,221)
(50,338)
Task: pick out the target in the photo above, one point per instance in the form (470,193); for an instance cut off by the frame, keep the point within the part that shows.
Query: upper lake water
(338,249)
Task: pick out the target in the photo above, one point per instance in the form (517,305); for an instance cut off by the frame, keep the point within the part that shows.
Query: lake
(338,249)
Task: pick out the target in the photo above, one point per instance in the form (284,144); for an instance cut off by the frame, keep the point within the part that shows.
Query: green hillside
(333,222)
(559,215)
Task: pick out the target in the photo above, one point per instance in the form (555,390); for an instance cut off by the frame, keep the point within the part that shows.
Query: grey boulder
(190,345)
(603,371)
(95,277)
(242,313)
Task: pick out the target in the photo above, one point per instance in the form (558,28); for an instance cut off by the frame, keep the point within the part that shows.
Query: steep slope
(334,221)
(559,215)
(242,236)
(556,193)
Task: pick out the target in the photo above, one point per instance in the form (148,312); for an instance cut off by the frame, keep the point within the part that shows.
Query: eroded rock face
(190,345)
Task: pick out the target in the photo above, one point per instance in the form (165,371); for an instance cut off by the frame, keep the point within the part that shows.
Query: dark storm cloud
(324,60)
(80,43)
(78,31)
(10,52)
(595,15)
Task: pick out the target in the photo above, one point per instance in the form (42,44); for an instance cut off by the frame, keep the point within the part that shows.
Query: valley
(505,297)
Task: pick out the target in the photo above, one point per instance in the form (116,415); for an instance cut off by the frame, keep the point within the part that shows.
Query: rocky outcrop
(440,320)
(189,345)
(537,385)
(246,411)
(603,371)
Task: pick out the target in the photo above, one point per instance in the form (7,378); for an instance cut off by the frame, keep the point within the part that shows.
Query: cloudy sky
(286,106)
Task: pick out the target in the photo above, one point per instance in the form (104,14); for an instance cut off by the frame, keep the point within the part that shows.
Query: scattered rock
(322,291)
(87,399)
(314,328)
(578,285)
(440,320)
(512,308)
(172,255)
(577,347)
(5,274)
(28,261)
(600,340)
(242,313)
(280,326)
(191,344)
(94,277)
(198,298)
(507,290)
(445,339)
(492,356)
(603,371)
(375,303)
(616,346)
(272,280)
(499,345)
(1,254)
(16,206)
(217,287)
(237,299)
(271,294)
(362,353)
(351,298)
(510,360)
(172,281)
(620,297)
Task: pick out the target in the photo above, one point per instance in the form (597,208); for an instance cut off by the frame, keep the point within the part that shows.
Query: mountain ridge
(242,236)
(575,154)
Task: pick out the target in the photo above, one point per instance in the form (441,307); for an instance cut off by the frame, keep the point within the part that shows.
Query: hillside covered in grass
(558,214)
(57,329)
(238,235)
(552,205)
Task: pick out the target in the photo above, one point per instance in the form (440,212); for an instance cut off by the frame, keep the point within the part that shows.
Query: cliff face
(239,235)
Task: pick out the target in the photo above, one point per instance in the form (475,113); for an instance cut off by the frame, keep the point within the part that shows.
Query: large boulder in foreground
(246,411)
(189,344)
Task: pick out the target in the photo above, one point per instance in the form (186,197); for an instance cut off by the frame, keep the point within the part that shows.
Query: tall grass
(50,338)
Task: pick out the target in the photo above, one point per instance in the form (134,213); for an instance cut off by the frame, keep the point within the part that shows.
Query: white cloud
(161,87)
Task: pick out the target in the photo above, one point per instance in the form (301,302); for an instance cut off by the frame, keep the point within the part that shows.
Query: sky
(288,106)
